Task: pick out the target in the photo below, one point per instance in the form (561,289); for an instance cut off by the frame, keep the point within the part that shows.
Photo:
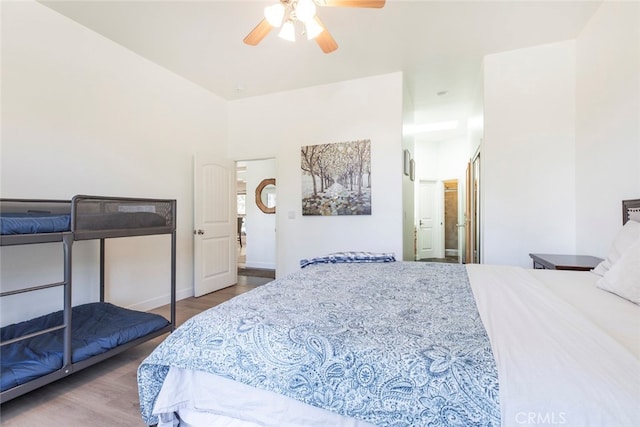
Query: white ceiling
(438,45)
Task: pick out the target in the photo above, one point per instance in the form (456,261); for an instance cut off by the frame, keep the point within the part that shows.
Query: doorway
(256,230)
(450,203)
(438,221)
(474,209)
(427,221)
(241,203)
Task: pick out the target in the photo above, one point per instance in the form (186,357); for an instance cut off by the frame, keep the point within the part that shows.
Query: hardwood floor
(106,394)
(448,260)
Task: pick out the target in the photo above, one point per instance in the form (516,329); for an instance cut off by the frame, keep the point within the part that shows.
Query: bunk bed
(36,352)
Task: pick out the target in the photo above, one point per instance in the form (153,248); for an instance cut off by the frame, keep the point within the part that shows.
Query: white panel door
(214,237)
(426,219)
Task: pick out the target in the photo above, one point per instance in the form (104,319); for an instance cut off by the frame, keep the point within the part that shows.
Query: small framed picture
(407,161)
(412,170)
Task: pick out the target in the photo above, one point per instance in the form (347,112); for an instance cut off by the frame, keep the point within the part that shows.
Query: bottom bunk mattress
(96,328)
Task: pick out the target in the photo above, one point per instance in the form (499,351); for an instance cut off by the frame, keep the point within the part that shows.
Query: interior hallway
(250,276)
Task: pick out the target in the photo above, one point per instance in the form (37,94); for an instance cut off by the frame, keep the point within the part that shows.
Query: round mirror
(266,196)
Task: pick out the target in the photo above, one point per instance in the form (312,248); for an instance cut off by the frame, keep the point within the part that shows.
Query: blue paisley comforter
(394,344)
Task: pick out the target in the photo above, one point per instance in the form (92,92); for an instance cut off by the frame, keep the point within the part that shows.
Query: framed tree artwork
(336,178)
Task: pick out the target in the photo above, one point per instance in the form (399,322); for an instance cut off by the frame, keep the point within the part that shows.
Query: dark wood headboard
(629,206)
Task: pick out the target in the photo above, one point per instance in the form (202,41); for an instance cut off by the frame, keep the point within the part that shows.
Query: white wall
(280,124)
(562,140)
(475,123)
(442,160)
(528,154)
(82,115)
(607,123)
(261,227)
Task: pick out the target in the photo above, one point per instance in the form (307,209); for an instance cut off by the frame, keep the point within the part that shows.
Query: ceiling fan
(286,13)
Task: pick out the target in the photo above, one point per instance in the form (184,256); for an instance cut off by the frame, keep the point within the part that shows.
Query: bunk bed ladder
(173,275)
(101,270)
(67,242)
(67,366)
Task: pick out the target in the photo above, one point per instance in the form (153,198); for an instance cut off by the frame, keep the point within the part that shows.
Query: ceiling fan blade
(325,40)
(258,33)
(352,3)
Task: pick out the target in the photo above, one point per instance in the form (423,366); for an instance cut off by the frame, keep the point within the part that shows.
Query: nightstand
(564,262)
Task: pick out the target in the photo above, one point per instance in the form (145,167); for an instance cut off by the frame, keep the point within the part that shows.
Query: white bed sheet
(559,363)
(567,354)
(615,315)
(197,398)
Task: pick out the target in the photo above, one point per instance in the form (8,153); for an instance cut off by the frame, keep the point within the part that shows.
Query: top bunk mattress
(16,223)
(29,223)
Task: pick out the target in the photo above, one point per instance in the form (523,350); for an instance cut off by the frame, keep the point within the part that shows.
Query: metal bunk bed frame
(67,239)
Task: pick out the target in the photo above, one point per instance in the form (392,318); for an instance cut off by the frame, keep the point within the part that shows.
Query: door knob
(200,232)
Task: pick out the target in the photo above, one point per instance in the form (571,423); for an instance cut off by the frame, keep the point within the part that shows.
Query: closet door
(427,221)
(214,236)
(475,209)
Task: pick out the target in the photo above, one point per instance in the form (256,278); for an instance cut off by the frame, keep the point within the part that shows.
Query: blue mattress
(96,328)
(20,223)
(33,223)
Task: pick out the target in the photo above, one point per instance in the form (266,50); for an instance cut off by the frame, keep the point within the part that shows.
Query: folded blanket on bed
(339,257)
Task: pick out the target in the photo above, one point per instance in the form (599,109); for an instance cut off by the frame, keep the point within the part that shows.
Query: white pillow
(623,278)
(627,235)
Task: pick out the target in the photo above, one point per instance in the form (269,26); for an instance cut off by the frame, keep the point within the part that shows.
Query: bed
(44,349)
(354,340)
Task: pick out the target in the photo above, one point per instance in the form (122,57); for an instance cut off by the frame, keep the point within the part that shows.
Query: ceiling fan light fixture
(284,14)
(288,31)
(274,14)
(313,29)
(305,10)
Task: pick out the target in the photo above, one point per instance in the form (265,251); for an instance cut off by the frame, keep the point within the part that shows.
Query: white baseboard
(150,304)
(450,252)
(263,265)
